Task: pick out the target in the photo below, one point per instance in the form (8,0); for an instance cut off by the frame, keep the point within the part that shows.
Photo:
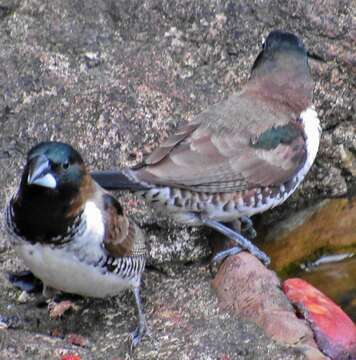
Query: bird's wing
(122,236)
(240,143)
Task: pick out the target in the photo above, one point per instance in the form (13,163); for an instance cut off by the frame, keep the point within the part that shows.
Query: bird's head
(278,48)
(282,41)
(54,186)
(54,167)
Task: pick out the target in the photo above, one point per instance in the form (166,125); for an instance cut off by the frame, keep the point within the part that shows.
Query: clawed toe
(247,227)
(136,337)
(219,257)
(239,239)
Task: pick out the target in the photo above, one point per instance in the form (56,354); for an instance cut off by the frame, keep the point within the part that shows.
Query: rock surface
(182,313)
(334,331)
(247,289)
(114,79)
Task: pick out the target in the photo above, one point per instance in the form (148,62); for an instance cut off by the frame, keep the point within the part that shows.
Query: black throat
(40,215)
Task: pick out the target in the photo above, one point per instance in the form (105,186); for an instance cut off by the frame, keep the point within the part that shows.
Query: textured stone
(247,289)
(334,331)
(115,78)
(182,315)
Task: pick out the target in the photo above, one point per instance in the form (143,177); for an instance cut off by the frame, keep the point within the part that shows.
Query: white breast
(71,268)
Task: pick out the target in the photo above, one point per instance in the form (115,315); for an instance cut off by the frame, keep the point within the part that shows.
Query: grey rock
(182,314)
(114,78)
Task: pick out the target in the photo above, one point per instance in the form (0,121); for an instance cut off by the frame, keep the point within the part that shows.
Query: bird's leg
(48,292)
(244,225)
(220,256)
(247,227)
(235,225)
(239,239)
(141,329)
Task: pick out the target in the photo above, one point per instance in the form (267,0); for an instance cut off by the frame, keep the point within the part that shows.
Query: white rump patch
(312,130)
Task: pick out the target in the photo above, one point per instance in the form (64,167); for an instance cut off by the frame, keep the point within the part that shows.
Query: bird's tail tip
(116,180)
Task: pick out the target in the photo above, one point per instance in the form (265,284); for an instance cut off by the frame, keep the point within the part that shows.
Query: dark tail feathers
(116,180)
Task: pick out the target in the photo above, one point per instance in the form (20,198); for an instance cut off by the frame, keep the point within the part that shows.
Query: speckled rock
(182,314)
(333,330)
(247,289)
(115,78)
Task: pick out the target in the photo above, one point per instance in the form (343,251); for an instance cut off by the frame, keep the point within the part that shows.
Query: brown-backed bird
(240,157)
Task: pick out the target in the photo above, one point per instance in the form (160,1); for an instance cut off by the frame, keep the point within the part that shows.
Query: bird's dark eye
(65,165)
(263,44)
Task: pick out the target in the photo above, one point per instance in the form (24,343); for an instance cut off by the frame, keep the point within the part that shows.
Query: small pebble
(77,340)
(70,357)
(24,297)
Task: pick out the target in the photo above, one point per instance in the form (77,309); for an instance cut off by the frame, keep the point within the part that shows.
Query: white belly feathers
(74,267)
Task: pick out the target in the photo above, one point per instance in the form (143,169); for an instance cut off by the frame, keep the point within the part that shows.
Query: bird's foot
(141,329)
(244,243)
(220,256)
(247,227)
(137,335)
(243,225)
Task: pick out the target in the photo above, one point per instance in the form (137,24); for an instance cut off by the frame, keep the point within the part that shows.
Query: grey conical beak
(40,173)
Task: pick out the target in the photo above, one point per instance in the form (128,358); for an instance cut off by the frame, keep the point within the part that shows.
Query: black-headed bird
(71,233)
